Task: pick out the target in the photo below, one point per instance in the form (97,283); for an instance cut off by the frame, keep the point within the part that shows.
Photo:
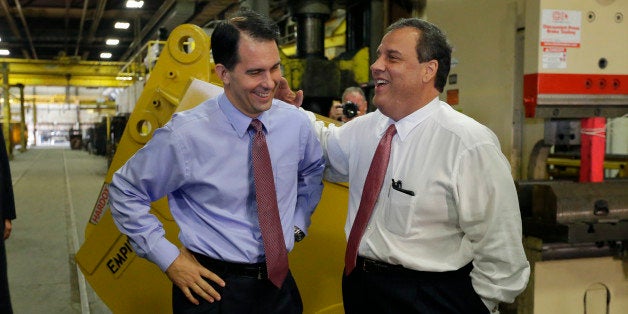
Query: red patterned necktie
(267,210)
(370,193)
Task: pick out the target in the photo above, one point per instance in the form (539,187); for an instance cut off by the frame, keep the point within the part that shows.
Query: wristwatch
(298,234)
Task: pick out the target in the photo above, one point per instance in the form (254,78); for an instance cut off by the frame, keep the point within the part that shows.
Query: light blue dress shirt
(201,161)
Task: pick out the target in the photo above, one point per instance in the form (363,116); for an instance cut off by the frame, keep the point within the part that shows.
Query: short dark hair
(431,45)
(226,36)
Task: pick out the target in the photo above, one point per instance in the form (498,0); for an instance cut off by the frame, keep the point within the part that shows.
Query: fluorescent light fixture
(123,78)
(134,4)
(112,41)
(4,52)
(122,25)
(105,55)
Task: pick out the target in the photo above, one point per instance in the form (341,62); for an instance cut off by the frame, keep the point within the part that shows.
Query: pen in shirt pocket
(397,185)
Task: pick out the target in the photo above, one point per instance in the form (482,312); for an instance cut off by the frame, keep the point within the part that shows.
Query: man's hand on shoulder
(286,94)
(188,274)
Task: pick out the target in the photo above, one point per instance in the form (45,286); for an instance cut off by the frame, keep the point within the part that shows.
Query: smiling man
(243,174)
(433,223)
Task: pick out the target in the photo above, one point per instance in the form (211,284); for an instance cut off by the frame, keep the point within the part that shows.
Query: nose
(269,80)
(377,65)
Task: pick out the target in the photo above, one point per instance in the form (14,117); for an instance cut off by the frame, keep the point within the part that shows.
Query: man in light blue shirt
(201,161)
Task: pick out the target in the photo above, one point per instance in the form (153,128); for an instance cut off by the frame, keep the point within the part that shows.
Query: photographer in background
(353,104)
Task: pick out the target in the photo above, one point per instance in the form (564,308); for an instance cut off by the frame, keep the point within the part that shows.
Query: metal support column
(34,116)
(78,108)
(23,136)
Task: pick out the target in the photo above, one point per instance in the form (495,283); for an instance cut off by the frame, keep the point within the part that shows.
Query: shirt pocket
(398,218)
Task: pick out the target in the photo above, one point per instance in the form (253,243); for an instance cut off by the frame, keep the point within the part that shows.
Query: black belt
(372,266)
(257,270)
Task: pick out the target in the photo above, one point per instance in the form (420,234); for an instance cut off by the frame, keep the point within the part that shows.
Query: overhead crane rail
(64,72)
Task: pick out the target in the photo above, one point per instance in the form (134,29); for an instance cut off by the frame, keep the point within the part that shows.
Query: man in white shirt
(445,232)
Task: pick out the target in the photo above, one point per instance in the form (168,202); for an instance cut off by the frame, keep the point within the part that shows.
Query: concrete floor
(55,191)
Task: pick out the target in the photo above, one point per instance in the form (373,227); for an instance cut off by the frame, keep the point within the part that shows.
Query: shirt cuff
(163,254)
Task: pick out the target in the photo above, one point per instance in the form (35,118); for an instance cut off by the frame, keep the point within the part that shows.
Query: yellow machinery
(128,284)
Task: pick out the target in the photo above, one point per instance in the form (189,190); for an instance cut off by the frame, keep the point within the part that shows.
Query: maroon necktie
(267,211)
(370,193)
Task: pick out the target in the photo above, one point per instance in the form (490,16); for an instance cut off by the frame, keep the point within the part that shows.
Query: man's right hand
(7,228)
(284,93)
(188,274)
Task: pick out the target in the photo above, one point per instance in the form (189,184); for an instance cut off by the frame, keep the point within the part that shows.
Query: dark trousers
(244,292)
(383,288)
(5,298)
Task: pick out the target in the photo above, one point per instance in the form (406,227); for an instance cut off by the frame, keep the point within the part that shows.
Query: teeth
(380,82)
(262,94)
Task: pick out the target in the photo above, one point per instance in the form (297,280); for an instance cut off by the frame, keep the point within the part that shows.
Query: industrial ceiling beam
(81,26)
(84,102)
(26,29)
(155,19)
(211,10)
(100,10)
(13,26)
(55,73)
(60,80)
(61,98)
(73,13)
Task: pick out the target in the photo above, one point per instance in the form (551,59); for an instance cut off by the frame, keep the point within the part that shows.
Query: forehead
(402,40)
(257,53)
(354,95)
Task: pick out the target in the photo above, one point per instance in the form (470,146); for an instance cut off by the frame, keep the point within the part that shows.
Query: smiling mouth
(262,94)
(379,83)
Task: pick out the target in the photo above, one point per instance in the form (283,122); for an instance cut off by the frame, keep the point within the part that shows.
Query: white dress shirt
(464,209)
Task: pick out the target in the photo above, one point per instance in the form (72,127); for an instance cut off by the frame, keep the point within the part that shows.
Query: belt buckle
(259,273)
(368,265)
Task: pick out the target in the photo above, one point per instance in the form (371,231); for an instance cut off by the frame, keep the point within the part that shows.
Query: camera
(349,110)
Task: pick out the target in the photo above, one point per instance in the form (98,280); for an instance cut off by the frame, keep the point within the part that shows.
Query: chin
(264,107)
(378,100)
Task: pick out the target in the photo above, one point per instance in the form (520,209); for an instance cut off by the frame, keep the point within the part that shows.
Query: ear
(222,73)
(430,70)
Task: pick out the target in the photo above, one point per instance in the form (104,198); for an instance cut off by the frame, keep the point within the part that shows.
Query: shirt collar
(239,121)
(408,123)
(383,124)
